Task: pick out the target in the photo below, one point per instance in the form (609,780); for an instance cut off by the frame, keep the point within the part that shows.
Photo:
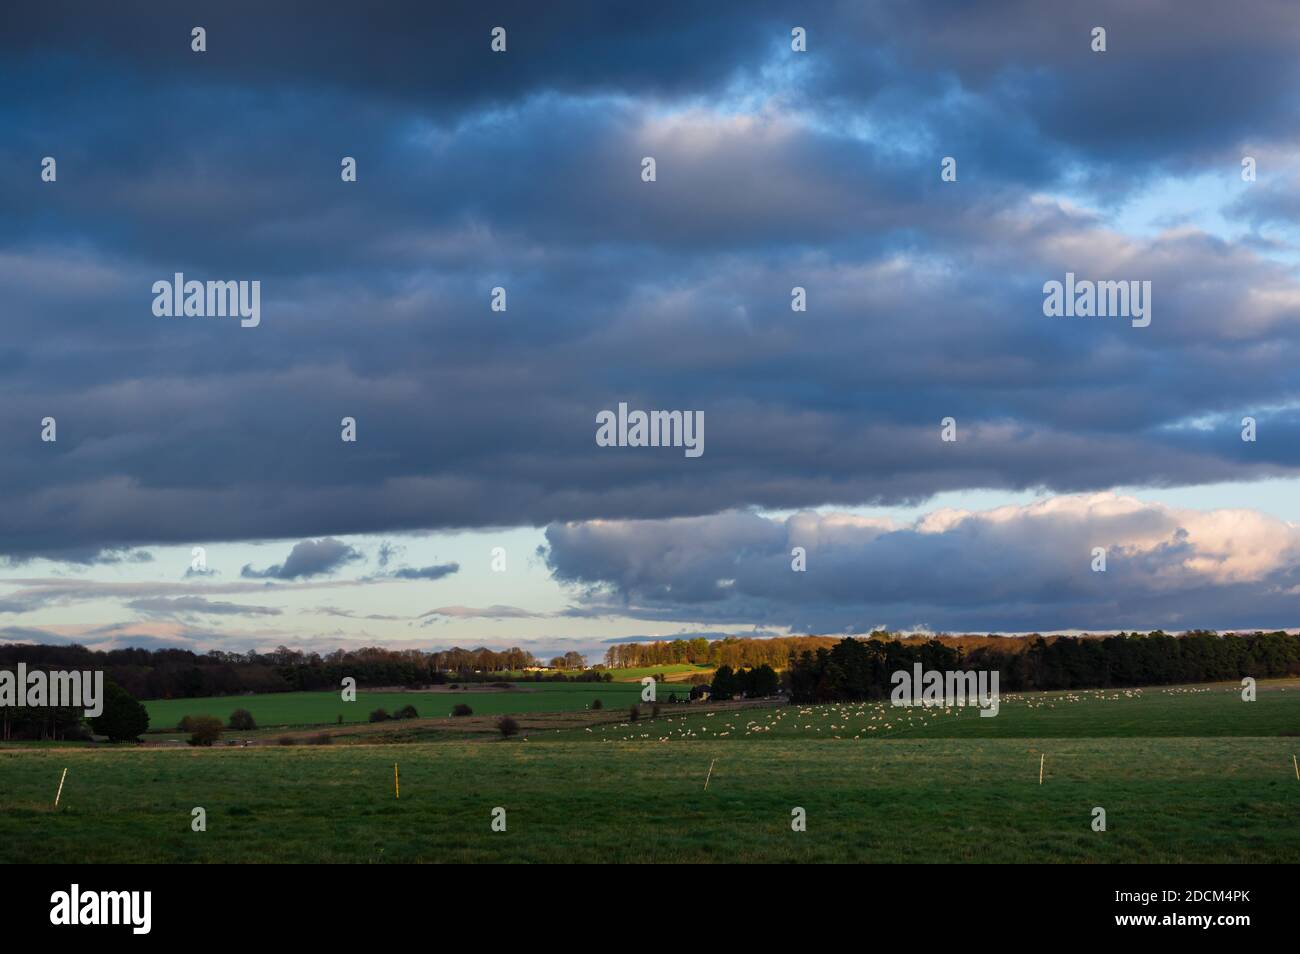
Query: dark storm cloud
(775,169)
(1180,82)
(431,57)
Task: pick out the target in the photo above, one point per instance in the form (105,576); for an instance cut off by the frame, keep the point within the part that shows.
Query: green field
(324,708)
(1160,712)
(1182,775)
(673,672)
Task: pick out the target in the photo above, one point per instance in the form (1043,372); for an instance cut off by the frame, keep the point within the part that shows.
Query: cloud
(186,605)
(29,594)
(388,551)
(484,612)
(87,556)
(711,634)
(775,169)
(307,558)
(1010,569)
(434,572)
(350,614)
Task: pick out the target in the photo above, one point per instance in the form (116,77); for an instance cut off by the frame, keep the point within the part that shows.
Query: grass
(1159,712)
(1183,776)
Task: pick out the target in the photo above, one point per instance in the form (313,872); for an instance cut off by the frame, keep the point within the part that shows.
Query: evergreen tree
(123,719)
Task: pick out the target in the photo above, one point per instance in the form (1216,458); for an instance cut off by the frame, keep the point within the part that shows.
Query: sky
(476,505)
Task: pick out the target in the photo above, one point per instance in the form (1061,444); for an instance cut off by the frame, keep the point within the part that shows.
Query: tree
(204,729)
(724,683)
(123,718)
(763,681)
(241,720)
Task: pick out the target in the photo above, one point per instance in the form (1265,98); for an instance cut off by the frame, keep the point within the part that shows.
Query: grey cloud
(483,612)
(1016,569)
(349,614)
(162,606)
(925,300)
(434,572)
(308,558)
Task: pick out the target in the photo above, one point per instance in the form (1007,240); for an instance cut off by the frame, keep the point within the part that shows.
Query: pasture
(1184,775)
(1212,711)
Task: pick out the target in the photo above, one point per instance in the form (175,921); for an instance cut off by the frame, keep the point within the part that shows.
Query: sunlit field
(1191,774)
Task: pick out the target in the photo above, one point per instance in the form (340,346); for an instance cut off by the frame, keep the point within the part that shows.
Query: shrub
(597,704)
(123,719)
(462,710)
(80,733)
(286,740)
(380,715)
(242,720)
(507,727)
(184,724)
(654,711)
(634,713)
(204,729)
(406,712)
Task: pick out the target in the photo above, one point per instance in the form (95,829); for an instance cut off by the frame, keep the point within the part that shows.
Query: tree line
(733,651)
(122,719)
(857,669)
(183,674)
